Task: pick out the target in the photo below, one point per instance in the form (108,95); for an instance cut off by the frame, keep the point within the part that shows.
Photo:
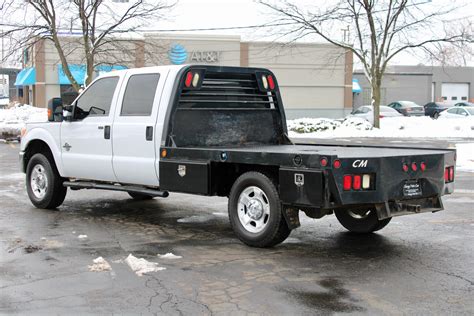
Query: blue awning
(79,72)
(356,86)
(26,77)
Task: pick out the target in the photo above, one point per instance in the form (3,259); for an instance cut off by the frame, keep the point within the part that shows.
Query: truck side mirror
(68,111)
(55,110)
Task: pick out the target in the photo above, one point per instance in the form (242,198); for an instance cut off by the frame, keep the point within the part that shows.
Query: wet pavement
(419,264)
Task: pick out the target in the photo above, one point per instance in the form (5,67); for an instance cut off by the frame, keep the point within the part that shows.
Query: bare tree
(98,26)
(379,30)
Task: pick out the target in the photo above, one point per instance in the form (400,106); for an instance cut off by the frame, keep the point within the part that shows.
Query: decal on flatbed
(359,163)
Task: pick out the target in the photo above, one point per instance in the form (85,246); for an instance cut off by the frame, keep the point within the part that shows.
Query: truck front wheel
(43,183)
(255,211)
(361,221)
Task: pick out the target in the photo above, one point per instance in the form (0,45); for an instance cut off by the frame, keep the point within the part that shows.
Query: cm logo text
(359,163)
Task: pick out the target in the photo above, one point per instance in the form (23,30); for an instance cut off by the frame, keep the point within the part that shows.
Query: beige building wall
(201,49)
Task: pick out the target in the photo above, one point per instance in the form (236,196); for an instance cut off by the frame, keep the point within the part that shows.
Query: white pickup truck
(222,131)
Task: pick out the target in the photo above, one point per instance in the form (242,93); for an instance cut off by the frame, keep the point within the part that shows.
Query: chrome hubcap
(359,214)
(39,181)
(253,209)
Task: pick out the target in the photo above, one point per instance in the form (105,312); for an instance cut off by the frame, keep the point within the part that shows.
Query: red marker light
(347,182)
(423,166)
(451,174)
(414,167)
(188,80)
(405,167)
(324,162)
(446,175)
(271,82)
(357,182)
(337,164)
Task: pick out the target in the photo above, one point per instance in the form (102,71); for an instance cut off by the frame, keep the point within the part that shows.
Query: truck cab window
(96,100)
(139,95)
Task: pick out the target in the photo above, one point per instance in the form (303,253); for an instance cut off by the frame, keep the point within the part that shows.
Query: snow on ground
(141,266)
(99,265)
(390,127)
(465,157)
(82,236)
(169,255)
(12,120)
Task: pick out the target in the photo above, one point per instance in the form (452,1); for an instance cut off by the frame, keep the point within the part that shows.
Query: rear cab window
(139,95)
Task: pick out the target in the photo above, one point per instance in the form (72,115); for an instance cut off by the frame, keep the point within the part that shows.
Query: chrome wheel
(253,209)
(39,181)
(359,214)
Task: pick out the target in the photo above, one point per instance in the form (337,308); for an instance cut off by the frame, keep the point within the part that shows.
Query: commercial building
(315,79)
(421,84)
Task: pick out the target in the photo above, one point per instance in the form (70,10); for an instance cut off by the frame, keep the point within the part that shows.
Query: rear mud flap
(405,207)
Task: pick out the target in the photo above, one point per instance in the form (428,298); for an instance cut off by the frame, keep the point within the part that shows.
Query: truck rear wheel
(43,183)
(255,211)
(361,221)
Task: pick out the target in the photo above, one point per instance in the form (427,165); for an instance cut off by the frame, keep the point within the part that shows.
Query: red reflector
(271,82)
(188,80)
(446,175)
(347,183)
(336,164)
(451,174)
(405,167)
(423,166)
(414,167)
(357,183)
(324,162)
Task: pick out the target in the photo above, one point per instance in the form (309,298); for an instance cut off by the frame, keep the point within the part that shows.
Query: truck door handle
(107,131)
(149,133)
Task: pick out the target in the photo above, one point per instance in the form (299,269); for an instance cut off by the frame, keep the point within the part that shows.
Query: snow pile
(12,120)
(465,157)
(141,266)
(82,237)
(313,125)
(99,265)
(169,255)
(390,127)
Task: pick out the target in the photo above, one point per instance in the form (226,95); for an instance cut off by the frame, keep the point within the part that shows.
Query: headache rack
(227,91)
(226,106)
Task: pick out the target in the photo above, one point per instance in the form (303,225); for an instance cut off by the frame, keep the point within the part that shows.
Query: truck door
(86,144)
(135,140)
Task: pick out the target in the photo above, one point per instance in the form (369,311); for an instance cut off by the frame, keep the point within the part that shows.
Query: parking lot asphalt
(418,264)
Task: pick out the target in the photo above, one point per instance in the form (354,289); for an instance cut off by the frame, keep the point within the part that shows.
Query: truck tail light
(336,164)
(323,161)
(414,166)
(357,183)
(423,166)
(449,174)
(405,167)
(347,182)
(188,79)
(366,181)
(271,82)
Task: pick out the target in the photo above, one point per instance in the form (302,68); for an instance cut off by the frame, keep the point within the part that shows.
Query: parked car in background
(464,103)
(407,108)
(433,109)
(367,112)
(457,112)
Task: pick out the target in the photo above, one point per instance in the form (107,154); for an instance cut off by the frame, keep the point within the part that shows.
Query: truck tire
(435,115)
(361,221)
(140,196)
(43,183)
(255,211)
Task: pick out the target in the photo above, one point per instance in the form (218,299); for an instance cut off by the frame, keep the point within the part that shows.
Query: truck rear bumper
(412,206)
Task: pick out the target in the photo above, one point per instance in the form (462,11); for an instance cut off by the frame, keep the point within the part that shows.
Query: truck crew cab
(222,131)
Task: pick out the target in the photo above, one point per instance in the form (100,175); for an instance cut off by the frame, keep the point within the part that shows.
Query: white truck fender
(51,137)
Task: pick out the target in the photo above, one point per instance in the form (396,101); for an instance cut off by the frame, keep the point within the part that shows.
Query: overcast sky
(192,14)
